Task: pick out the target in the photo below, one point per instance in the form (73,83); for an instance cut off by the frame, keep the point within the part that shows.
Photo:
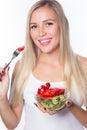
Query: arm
(79,113)
(10,116)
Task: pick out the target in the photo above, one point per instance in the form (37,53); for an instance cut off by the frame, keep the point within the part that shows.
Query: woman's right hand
(4,83)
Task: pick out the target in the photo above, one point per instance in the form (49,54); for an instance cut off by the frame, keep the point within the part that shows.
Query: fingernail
(35,104)
(68,102)
(44,108)
(0,74)
(3,71)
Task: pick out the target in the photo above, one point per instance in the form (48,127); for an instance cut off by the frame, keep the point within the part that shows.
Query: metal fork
(14,55)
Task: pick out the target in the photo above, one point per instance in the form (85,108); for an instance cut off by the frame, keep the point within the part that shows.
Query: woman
(47,57)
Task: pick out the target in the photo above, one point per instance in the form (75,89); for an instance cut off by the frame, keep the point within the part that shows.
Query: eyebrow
(44,21)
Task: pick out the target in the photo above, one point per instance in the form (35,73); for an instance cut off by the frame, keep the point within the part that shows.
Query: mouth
(45,42)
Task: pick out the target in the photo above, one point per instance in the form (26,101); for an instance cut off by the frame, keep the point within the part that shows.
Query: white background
(13,14)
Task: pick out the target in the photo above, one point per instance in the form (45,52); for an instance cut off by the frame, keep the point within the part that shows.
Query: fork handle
(6,66)
(3,71)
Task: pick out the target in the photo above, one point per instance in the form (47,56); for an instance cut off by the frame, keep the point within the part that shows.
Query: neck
(51,58)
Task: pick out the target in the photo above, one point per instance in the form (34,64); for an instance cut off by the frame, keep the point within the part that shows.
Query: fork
(14,55)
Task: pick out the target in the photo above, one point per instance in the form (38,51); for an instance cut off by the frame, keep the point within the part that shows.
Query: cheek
(56,35)
(33,35)
(55,32)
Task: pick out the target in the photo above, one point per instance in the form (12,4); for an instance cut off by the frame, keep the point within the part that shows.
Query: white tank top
(37,120)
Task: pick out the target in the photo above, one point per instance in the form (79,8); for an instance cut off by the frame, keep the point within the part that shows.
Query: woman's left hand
(45,110)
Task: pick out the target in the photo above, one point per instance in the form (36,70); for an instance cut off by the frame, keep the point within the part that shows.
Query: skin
(44,29)
(10,116)
(51,52)
(45,32)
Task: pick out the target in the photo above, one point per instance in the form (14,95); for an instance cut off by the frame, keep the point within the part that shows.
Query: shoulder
(83,61)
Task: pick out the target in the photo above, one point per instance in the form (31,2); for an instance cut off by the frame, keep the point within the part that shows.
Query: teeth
(44,41)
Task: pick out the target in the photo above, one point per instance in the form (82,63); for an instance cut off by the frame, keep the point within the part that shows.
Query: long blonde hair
(72,66)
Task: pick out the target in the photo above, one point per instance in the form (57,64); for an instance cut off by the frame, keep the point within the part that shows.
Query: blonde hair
(72,66)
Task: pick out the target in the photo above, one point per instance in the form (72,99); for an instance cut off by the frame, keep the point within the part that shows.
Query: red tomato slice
(20,48)
(46,92)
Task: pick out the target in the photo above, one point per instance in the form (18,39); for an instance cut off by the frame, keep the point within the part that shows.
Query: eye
(33,26)
(49,23)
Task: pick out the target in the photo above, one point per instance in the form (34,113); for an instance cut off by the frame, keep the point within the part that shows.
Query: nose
(42,31)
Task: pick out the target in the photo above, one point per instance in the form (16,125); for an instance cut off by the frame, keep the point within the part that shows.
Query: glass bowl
(51,98)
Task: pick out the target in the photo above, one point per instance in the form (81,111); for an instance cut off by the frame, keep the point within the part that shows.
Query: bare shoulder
(83,61)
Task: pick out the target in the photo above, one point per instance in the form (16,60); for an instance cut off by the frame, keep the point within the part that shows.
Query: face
(44,29)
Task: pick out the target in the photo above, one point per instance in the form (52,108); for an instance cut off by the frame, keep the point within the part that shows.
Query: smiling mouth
(45,42)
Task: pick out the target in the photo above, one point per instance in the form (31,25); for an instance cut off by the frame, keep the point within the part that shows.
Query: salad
(51,98)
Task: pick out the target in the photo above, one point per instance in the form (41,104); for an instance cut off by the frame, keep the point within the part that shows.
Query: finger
(0,76)
(40,107)
(68,103)
(2,73)
(51,112)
